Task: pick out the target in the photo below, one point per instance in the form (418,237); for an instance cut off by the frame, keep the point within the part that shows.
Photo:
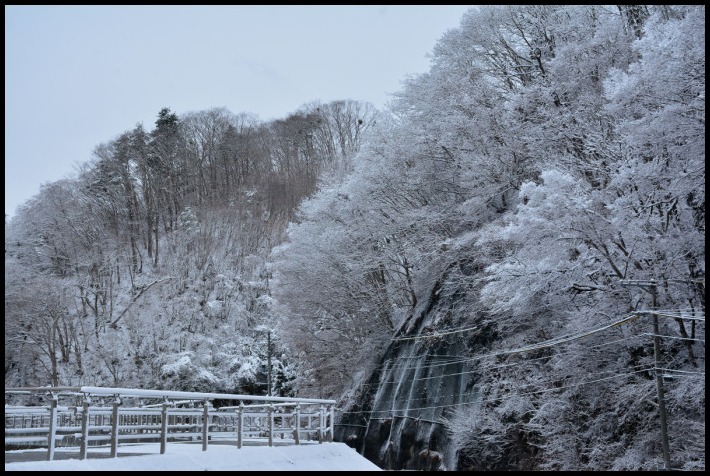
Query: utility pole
(650,286)
(268,360)
(659,382)
(261,330)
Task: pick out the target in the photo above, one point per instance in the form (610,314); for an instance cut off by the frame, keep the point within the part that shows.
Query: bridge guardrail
(93,423)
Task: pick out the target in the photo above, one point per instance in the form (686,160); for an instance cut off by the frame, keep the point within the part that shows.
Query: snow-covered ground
(190,457)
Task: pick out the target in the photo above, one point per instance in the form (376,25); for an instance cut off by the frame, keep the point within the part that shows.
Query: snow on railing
(98,422)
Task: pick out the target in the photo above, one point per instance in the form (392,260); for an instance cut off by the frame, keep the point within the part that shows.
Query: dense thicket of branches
(553,154)
(556,153)
(147,268)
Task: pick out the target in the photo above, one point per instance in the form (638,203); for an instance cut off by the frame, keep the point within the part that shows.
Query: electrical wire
(679,371)
(542,345)
(545,344)
(488,400)
(477,370)
(524,394)
(439,334)
(673,337)
(670,313)
(465,359)
(488,367)
(658,312)
(637,367)
(560,339)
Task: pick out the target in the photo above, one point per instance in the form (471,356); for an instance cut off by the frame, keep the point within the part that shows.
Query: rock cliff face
(426,374)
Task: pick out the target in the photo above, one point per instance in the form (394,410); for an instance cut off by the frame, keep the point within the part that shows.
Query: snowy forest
(502,270)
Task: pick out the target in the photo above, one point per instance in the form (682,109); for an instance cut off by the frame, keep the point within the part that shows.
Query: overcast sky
(77,76)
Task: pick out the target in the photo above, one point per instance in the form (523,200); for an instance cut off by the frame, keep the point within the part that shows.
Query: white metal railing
(291,419)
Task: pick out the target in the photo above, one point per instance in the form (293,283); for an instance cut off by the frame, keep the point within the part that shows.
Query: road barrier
(179,416)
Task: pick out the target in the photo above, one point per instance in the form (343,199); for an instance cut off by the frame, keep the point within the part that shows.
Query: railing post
(52,426)
(163,427)
(193,423)
(282,411)
(240,424)
(84,427)
(114,427)
(271,425)
(205,424)
(331,411)
(297,432)
(321,426)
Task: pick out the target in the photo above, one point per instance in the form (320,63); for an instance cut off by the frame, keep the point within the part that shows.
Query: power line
(524,394)
(471,359)
(468,358)
(680,371)
(672,337)
(544,344)
(564,339)
(495,399)
(439,334)
(541,345)
(669,313)
(489,367)
(488,400)
(660,312)
(639,367)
